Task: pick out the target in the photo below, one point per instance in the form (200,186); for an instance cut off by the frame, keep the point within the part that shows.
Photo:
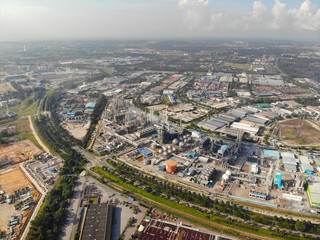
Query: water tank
(171,166)
(175,141)
(174,149)
(154,145)
(160,151)
(181,144)
(169,151)
(165,153)
(228,172)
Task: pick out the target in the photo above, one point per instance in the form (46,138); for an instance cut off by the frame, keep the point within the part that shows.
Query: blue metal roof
(271,153)
(145,151)
(90,105)
(191,154)
(223,149)
(278,180)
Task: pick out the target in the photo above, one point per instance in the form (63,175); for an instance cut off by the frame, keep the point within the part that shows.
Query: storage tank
(171,166)
(174,150)
(225,177)
(181,144)
(228,172)
(154,145)
(160,151)
(175,141)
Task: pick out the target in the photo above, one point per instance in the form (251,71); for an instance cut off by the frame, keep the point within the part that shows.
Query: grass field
(108,70)
(294,133)
(243,66)
(24,130)
(173,66)
(24,108)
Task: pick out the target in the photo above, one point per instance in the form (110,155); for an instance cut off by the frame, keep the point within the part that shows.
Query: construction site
(17,196)
(299,132)
(17,152)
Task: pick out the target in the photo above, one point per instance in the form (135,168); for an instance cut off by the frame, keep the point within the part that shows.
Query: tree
(300,226)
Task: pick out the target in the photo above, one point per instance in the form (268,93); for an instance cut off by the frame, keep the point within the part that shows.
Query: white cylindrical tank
(228,172)
(160,151)
(225,177)
(174,149)
(175,141)
(181,144)
(154,145)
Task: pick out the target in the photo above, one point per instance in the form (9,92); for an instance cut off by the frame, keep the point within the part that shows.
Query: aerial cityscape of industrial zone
(160,140)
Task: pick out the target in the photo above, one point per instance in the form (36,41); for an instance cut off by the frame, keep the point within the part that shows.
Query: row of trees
(171,191)
(95,117)
(48,223)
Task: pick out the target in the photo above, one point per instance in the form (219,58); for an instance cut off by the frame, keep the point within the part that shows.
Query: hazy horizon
(35,20)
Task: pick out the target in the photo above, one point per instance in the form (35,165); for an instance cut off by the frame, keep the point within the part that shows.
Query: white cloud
(195,13)
(198,14)
(306,17)
(60,19)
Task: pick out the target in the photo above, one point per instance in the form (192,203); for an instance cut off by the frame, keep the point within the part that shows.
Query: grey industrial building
(98,222)
(256,120)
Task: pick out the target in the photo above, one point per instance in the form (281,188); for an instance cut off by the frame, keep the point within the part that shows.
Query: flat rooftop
(314,189)
(98,222)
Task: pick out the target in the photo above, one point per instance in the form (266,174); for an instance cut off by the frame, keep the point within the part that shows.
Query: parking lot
(124,209)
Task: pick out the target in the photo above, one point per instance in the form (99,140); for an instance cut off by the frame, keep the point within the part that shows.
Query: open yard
(19,151)
(23,130)
(77,130)
(295,132)
(12,179)
(25,108)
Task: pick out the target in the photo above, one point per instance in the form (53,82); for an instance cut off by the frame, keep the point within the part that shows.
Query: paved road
(37,137)
(95,161)
(37,208)
(69,229)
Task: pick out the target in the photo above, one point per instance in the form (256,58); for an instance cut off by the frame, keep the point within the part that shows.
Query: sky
(25,20)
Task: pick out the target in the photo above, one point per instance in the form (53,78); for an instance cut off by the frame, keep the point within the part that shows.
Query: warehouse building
(305,165)
(256,120)
(314,190)
(245,127)
(238,113)
(98,222)
(289,161)
(258,195)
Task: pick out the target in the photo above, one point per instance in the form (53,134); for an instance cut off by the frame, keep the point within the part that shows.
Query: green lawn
(24,108)
(24,130)
(107,70)
(240,66)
